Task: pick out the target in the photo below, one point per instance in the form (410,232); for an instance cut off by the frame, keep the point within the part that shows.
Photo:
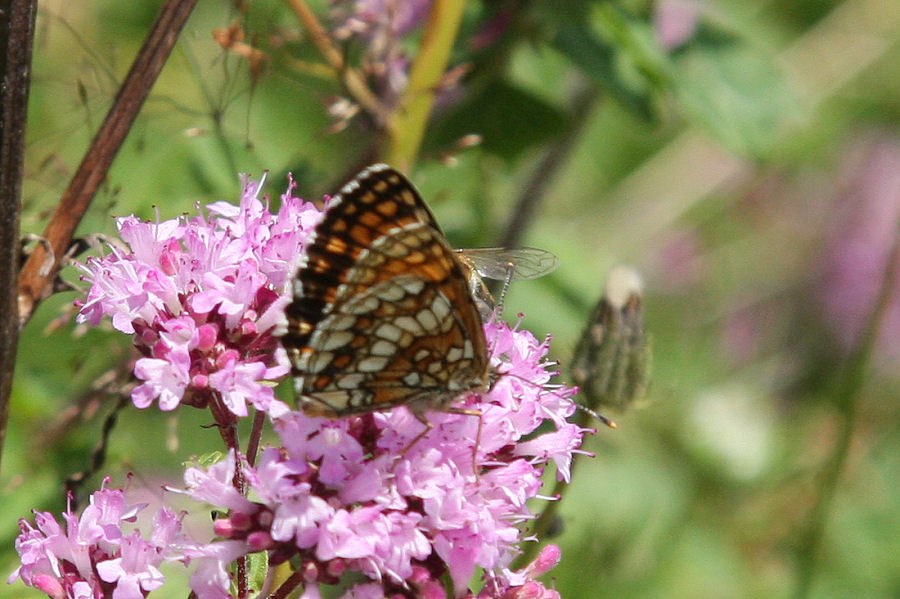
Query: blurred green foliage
(725,167)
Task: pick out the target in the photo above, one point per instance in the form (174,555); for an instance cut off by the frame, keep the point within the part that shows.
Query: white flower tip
(623,283)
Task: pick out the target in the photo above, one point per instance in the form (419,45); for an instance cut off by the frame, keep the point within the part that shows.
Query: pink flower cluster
(93,556)
(379,503)
(386,18)
(204,299)
(370,495)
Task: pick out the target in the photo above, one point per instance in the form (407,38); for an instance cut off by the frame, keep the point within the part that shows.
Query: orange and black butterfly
(383,312)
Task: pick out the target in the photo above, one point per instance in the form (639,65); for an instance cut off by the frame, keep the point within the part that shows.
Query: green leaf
(619,52)
(509,119)
(733,89)
(257,568)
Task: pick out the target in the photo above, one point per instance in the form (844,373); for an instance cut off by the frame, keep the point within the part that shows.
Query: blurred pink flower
(375,18)
(678,263)
(675,21)
(864,231)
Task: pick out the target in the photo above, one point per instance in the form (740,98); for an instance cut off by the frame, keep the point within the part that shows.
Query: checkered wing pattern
(382,314)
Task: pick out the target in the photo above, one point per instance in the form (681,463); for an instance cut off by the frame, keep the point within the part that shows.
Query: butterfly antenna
(507,281)
(600,417)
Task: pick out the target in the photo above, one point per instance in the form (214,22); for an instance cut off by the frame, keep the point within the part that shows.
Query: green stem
(846,399)
(406,124)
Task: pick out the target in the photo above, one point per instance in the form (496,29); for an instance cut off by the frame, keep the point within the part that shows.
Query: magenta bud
(207,335)
(546,560)
(48,584)
(529,590)
(259,541)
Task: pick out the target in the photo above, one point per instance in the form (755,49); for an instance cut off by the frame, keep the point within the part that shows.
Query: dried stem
(259,420)
(16,37)
(34,280)
(288,586)
(352,79)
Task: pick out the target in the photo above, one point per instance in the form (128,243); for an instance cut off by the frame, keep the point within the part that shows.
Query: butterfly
(383,311)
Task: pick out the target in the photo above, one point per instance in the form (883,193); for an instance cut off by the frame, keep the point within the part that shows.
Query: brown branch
(16,37)
(33,280)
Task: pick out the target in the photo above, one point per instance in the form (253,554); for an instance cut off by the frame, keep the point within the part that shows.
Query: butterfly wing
(382,314)
(497,263)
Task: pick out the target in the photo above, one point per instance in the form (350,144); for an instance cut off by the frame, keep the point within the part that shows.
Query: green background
(729,171)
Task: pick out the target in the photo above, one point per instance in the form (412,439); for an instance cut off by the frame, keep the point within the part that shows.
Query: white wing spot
(365,305)
(382,348)
(413,285)
(427,320)
(335,339)
(389,332)
(371,364)
(350,381)
(454,354)
(441,308)
(390,292)
(409,324)
(320,361)
(338,322)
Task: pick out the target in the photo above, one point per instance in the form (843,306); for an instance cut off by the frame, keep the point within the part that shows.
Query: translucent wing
(502,264)
(497,263)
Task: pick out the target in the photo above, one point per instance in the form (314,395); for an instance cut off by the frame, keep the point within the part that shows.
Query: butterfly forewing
(382,314)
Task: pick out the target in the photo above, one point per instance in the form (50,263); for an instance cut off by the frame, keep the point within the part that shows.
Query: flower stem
(259,419)
(352,79)
(16,39)
(846,400)
(288,586)
(406,125)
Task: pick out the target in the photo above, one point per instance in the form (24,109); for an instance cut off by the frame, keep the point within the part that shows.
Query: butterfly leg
(468,412)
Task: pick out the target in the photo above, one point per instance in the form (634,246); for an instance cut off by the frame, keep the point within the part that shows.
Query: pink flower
(204,298)
(92,557)
(368,496)
(369,18)
(676,21)
(857,252)
(379,503)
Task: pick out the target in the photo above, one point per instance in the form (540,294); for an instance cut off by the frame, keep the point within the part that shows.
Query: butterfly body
(382,314)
